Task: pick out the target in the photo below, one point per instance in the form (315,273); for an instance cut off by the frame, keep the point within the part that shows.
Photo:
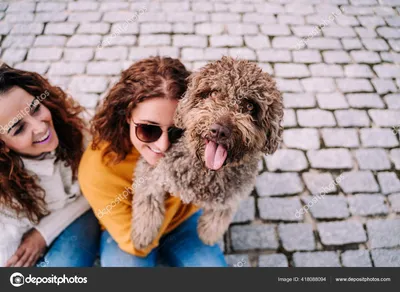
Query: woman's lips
(45,138)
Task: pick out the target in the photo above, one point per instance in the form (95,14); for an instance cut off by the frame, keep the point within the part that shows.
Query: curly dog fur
(231,114)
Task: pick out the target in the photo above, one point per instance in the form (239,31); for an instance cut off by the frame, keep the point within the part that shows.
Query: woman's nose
(38,126)
(163,143)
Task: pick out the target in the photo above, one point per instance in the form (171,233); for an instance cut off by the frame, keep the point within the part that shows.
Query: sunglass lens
(174,134)
(148,133)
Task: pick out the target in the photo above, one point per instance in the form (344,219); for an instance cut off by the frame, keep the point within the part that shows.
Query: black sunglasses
(150,133)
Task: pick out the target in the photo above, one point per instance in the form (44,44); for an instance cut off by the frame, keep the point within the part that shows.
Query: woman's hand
(30,250)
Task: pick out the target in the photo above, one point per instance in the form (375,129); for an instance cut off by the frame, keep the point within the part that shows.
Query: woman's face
(26,126)
(154,111)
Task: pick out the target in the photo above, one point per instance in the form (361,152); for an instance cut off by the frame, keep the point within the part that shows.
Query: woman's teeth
(44,137)
(155,151)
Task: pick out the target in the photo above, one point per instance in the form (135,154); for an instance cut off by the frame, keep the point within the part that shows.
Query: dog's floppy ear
(272,121)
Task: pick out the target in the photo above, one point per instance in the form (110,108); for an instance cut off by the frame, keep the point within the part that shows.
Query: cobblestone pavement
(337,64)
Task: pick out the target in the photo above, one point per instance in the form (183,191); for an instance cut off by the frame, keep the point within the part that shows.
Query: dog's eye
(250,107)
(213,94)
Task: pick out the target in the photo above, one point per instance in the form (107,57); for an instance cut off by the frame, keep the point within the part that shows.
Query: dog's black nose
(219,132)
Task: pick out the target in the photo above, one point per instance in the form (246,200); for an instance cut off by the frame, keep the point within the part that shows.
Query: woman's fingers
(14,259)
(21,262)
(32,260)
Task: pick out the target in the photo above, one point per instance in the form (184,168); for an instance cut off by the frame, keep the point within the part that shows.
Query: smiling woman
(41,144)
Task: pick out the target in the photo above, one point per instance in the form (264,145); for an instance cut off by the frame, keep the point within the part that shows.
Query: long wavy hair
(18,189)
(149,78)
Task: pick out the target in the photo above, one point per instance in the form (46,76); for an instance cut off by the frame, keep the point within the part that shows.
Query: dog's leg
(148,210)
(213,224)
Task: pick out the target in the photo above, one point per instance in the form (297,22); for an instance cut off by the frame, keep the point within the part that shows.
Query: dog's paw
(209,232)
(141,240)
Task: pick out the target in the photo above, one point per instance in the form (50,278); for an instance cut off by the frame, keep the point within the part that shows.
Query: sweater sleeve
(54,223)
(12,231)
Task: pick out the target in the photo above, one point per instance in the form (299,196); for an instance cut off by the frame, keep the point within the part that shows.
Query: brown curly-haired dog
(231,114)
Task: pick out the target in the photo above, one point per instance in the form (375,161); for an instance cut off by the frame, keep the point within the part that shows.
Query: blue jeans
(76,246)
(181,247)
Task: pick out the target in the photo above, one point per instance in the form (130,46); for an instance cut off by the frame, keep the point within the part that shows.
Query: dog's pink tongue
(215,155)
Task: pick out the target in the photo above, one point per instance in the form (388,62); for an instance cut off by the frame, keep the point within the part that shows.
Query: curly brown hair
(149,78)
(18,189)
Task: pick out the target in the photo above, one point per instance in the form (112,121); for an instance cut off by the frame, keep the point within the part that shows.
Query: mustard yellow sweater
(106,189)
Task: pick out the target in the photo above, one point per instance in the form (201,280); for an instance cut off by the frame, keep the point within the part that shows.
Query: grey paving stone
(157,40)
(224,41)
(286,160)
(385,118)
(352,118)
(390,57)
(242,53)
(371,21)
(290,19)
(64,68)
(279,209)
(104,68)
(275,30)
(316,259)
(273,184)
(298,100)
(50,41)
(389,182)
(338,158)
(305,31)
(395,45)
(394,200)
(285,42)
(367,205)
(38,67)
(246,211)
(238,260)
(246,237)
(242,29)
(339,32)
(332,101)
(383,233)
(259,18)
(289,85)
(375,44)
(291,70)
(89,84)
(351,44)
(387,70)
(324,206)
(365,100)
(354,85)
(378,138)
(19,17)
(257,42)
(89,40)
(388,32)
(395,157)
(113,53)
(336,57)
(318,182)
(307,56)
(289,118)
(384,85)
(296,237)
(11,56)
(315,118)
(304,139)
(365,57)
(366,32)
(356,258)
(14,41)
(318,84)
(81,54)
(324,43)
(372,159)
(355,70)
(325,70)
(44,54)
(274,56)
(340,138)
(358,182)
(386,257)
(273,260)
(341,233)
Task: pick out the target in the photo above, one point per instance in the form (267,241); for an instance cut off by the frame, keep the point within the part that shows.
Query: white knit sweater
(64,201)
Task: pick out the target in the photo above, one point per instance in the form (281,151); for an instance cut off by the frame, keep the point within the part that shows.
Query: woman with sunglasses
(136,119)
